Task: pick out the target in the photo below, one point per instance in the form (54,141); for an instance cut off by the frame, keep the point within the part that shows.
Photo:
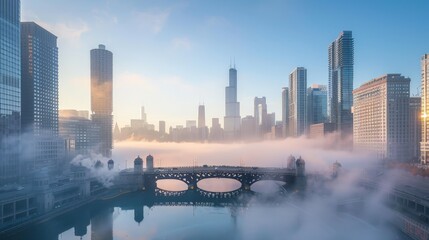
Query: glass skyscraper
(10,89)
(340,97)
(39,73)
(424,144)
(298,102)
(102,96)
(39,99)
(316,104)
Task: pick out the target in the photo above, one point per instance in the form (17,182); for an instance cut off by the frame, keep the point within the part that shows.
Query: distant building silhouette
(143,114)
(248,128)
(102,96)
(161,127)
(260,116)
(232,107)
(202,129)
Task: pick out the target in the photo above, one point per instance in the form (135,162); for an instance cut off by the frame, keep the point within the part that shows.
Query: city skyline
(160,63)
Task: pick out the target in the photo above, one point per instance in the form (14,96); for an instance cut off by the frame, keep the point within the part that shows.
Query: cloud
(104,17)
(153,21)
(181,43)
(71,32)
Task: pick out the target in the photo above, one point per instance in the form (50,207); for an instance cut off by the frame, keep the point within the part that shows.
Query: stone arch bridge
(245,175)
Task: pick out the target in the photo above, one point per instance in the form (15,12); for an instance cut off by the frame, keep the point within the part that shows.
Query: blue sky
(172,55)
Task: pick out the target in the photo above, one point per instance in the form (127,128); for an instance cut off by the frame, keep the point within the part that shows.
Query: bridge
(140,178)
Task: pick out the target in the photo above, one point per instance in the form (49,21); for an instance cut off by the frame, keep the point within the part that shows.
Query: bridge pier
(192,186)
(245,186)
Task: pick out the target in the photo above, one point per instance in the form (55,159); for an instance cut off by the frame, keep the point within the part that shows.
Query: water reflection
(148,215)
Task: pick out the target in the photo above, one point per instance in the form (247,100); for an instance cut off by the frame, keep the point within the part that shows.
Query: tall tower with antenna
(232,106)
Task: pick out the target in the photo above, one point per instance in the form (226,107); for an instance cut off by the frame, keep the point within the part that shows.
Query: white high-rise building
(424,145)
(297,102)
(381,120)
(232,118)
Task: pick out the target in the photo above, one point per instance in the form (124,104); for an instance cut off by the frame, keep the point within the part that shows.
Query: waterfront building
(415,127)
(340,98)
(10,90)
(102,96)
(232,107)
(285,111)
(424,145)
(316,104)
(381,121)
(80,134)
(297,102)
(39,99)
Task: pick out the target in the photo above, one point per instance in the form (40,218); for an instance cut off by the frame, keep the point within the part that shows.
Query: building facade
(424,145)
(102,96)
(415,127)
(285,111)
(232,108)
(340,97)
(317,104)
(10,90)
(381,123)
(319,130)
(297,102)
(39,78)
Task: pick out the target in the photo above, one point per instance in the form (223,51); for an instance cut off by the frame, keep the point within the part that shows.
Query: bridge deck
(202,169)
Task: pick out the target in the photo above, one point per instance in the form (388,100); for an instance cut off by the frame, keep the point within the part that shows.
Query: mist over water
(317,216)
(319,154)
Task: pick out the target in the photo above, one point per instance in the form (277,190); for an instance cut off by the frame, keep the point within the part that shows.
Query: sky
(171,56)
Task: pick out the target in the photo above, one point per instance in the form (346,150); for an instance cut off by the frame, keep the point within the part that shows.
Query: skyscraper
(39,98)
(415,126)
(260,115)
(424,145)
(203,131)
(39,74)
(201,116)
(340,98)
(381,121)
(232,107)
(316,104)
(161,127)
(10,89)
(285,111)
(101,96)
(297,102)
(143,114)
